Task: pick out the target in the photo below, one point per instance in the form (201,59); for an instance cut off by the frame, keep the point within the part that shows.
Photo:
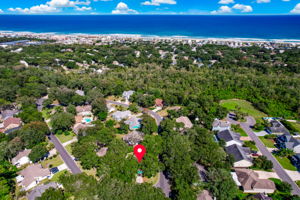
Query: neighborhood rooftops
(239,153)
(289,142)
(277,127)
(220,125)
(127,94)
(21,158)
(39,190)
(251,182)
(228,136)
(32,174)
(186,121)
(120,115)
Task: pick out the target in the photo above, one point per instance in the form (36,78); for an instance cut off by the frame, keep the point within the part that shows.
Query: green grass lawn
(237,128)
(56,176)
(69,148)
(296,126)
(285,163)
(267,142)
(65,138)
(52,162)
(246,107)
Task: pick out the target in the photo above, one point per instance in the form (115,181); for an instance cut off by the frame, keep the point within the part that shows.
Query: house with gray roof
(133,138)
(277,128)
(9,113)
(287,141)
(240,155)
(39,190)
(220,125)
(229,137)
(120,115)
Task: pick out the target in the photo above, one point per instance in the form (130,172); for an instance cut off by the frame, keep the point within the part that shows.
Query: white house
(120,115)
(220,125)
(22,158)
(127,94)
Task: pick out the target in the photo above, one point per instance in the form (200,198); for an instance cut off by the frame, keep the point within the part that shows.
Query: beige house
(251,183)
(186,122)
(32,175)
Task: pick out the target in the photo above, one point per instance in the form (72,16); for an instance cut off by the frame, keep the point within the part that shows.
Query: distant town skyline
(197,7)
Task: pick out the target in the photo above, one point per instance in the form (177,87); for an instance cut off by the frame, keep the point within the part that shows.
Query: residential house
(84,110)
(220,125)
(204,195)
(251,183)
(230,137)
(78,127)
(287,141)
(159,103)
(39,190)
(120,115)
(186,122)
(127,94)
(80,92)
(10,124)
(110,108)
(102,152)
(240,155)
(133,138)
(8,114)
(296,160)
(277,128)
(32,175)
(134,123)
(22,158)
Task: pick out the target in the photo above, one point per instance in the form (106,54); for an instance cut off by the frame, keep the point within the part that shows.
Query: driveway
(281,172)
(163,184)
(156,116)
(65,156)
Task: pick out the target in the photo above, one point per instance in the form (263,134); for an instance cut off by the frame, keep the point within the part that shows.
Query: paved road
(163,184)
(65,156)
(278,168)
(156,116)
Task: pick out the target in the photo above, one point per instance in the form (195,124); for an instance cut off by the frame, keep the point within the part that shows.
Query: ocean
(282,27)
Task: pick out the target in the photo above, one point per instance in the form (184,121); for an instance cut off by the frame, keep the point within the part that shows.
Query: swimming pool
(87,120)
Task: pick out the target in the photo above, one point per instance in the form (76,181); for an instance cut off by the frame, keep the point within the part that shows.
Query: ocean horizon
(252,27)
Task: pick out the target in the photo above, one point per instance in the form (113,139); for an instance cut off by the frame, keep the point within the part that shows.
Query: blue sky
(204,7)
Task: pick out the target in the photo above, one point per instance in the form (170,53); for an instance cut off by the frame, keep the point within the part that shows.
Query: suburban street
(65,156)
(277,167)
(156,116)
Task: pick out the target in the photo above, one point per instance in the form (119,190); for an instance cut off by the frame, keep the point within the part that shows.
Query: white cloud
(226,1)
(158,2)
(84,8)
(51,6)
(1,11)
(222,9)
(296,10)
(243,8)
(122,8)
(263,1)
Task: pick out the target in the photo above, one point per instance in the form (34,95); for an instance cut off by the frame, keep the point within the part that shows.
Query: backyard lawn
(56,176)
(64,137)
(69,149)
(267,142)
(237,128)
(52,162)
(296,126)
(246,107)
(286,163)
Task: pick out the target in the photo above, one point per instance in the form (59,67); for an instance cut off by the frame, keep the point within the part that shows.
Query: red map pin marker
(139,152)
